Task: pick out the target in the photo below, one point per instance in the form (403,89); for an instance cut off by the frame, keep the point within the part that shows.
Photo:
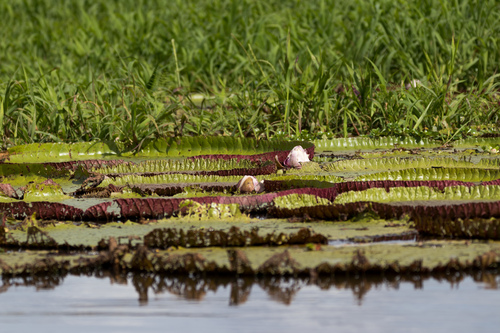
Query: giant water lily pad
(460,174)
(346,144)
(363,143)
(40,262)
(141,210)
(45,191)
(177,165)
(423,193)
(392,164)
(88,235)
(424,257)
(172,147)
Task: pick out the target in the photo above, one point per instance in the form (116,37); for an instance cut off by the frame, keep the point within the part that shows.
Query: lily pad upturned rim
(171,147)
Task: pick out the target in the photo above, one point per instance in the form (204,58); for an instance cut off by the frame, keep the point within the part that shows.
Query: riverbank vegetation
(130,71)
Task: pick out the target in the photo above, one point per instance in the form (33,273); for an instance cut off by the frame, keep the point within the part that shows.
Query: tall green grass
(131,70)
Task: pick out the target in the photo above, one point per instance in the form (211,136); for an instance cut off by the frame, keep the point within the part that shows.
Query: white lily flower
(297,155)
(249,184)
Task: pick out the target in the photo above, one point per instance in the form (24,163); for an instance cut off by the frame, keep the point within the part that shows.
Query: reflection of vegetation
(240,291)
(40,282)
(280,289)
(141,284)
(187,287)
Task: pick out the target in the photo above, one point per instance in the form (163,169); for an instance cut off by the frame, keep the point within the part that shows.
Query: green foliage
(178,165)
(422,193)
(299,200)
(407,163)
(133,71)
(174,147)
(168,179)
(460,174)
(46,191)
(192,210)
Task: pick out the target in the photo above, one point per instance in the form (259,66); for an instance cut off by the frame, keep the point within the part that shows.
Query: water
(137,303)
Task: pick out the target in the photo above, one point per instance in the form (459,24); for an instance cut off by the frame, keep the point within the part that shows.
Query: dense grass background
(132,70)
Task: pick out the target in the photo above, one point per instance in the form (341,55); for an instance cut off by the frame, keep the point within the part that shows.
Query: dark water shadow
(279,289)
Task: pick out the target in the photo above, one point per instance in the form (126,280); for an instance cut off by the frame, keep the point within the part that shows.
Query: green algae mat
(222,205)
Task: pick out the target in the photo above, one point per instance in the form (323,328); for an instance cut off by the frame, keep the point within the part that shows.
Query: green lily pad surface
(174,206)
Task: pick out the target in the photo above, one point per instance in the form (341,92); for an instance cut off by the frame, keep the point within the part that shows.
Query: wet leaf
(422,193)
(392,164)
(343,144)
(300,200)
(172,147)
(45,191)
(459,174)
(165,238)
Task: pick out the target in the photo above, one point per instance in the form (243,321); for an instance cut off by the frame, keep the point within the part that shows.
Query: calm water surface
(137,303)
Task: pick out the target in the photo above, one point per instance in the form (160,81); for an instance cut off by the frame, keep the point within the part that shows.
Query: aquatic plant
(297,156)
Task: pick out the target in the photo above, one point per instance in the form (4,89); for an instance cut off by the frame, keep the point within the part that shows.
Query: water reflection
(39,282)
(280,289)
